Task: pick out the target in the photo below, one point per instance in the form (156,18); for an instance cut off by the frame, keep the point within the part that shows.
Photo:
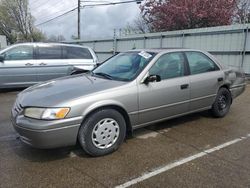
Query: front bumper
(47,134)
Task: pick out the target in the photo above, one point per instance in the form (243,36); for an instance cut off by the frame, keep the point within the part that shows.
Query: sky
(96,22)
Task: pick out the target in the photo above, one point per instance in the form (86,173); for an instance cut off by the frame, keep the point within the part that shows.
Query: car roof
(159,50)
(50,43)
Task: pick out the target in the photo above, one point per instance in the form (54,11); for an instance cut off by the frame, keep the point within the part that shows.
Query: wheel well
(228,88)
(225,86)
(120,110)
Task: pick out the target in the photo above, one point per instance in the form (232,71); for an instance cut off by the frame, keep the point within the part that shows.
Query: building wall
(230,44)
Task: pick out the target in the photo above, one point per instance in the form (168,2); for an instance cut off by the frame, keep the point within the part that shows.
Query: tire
(222,103)
(102,132)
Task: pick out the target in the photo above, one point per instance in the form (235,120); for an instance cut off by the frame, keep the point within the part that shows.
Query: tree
(242,11)
(186,14)
(73,37)
(54,38)
(16,21)
(138,26)
(38,36)
(7,25)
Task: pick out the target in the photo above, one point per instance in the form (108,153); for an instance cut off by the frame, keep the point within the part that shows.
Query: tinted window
(170,65)
(19,53)
(78,53)
(200,63)
(49,52)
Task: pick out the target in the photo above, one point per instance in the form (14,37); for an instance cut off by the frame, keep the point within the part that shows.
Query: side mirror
(152,78)
(2,58)
(98,64)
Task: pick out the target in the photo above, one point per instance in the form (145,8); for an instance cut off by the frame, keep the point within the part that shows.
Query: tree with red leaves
(167,15)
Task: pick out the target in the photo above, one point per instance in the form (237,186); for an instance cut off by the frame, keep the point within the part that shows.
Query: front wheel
(102,132)
(222,103)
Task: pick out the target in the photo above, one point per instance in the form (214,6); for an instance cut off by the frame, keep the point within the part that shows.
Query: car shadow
(46,155)
(171,123)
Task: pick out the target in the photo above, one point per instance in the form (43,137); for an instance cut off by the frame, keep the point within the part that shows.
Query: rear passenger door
(205,80)
(50,62)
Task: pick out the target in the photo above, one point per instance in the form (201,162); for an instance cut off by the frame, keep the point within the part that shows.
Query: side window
(49,52)
(168,66)
(19,53)
(200,63)
(78,53)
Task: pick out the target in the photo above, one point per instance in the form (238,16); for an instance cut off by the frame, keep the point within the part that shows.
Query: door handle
(184,86)
(42,64)
(29,64)
(220,79)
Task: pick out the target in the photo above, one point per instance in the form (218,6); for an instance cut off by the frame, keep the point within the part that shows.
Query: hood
(54,92)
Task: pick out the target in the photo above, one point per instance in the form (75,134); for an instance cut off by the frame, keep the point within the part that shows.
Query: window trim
(188,66)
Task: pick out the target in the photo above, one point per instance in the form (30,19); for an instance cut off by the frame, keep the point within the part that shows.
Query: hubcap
(222,102)
(105,133)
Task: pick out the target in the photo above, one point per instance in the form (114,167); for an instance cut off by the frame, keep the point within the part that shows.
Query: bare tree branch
(16,21)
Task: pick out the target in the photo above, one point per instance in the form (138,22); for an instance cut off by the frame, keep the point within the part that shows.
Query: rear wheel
(222,103)
(102,132)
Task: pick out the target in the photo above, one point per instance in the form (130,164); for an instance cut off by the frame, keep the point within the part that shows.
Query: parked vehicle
(128,91)
(23,65)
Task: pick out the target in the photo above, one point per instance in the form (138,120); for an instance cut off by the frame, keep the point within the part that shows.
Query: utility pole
(79,20)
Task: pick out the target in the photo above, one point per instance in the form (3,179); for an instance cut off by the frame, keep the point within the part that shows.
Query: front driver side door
(170,96)
(18,68)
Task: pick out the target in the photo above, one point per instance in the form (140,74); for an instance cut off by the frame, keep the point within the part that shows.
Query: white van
(25,64)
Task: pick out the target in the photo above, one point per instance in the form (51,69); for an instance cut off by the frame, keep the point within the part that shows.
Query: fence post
(245,30)
(94,45)
(182,40)
(114,43)
(161,41)
(144,42)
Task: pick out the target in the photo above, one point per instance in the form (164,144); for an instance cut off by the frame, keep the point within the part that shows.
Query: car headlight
(46,113)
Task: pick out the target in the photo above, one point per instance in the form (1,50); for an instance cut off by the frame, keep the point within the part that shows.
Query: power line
(39,4)
(111,3)
(61,15)
(89,5)
(33,2)
(57,4)
(52,15)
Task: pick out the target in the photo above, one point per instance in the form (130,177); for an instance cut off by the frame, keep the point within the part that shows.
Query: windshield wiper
(103,75)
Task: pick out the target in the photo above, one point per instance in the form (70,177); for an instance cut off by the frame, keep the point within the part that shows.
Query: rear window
(49,52)
(78,53)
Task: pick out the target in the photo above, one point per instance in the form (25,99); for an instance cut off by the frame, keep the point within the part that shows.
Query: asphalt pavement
(193,151)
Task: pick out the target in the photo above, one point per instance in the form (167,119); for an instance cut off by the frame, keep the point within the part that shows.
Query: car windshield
(124,66)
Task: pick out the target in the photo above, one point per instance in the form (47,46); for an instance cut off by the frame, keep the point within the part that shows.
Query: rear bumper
(59,135)
(236,90)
